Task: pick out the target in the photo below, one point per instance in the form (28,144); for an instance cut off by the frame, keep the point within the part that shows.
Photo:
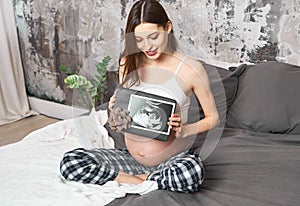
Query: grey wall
(78,33)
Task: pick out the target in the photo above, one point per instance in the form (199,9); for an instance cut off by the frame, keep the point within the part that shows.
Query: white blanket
(29,169)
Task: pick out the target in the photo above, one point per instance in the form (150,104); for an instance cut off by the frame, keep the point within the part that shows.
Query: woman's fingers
(175,121)
(111,102)
(176,125)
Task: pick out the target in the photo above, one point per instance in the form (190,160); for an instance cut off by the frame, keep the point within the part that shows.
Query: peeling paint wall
(78,33)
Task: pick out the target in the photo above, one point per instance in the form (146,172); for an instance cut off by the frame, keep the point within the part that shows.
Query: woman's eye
(138,40)
(154,37)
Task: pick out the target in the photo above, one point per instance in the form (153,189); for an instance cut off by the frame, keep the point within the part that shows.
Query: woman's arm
(198,81)
(121,72)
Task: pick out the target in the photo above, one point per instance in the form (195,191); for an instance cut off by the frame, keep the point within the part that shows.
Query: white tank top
(170,89)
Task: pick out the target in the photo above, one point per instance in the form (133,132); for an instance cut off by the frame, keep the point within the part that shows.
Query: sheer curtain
(13,99)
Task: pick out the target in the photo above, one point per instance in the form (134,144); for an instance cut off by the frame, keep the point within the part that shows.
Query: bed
(255,160)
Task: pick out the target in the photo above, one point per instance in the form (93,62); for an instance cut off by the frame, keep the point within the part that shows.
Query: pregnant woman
(151,63)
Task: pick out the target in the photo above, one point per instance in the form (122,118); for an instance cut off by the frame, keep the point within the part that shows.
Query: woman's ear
(169,26)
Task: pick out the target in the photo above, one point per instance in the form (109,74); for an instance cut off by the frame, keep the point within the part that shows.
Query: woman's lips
(151,53)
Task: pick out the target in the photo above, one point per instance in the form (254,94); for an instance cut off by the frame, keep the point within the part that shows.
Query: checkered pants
(181,173)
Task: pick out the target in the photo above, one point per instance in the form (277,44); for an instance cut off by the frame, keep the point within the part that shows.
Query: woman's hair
(143,11)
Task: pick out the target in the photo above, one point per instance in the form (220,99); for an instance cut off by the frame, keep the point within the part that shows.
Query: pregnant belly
(152,152)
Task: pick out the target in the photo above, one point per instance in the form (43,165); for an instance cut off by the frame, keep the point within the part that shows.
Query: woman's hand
(176,125)
(112,101)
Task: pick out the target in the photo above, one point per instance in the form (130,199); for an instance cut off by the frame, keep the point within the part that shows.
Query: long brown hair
(148,11)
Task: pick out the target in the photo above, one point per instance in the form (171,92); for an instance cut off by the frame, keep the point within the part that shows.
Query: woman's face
(151,39)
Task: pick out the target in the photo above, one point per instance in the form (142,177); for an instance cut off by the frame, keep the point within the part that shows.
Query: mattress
(246,169)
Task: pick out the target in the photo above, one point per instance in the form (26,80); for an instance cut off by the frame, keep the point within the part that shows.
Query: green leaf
(66,70)
(63,68)
(97,76)
(94,92)
(89,90)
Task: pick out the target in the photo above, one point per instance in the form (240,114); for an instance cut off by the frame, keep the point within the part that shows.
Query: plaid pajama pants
(181,173)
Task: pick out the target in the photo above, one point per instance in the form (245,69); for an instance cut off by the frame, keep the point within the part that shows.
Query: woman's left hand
(176,125)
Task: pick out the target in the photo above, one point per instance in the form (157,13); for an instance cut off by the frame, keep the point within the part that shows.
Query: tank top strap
(180,65)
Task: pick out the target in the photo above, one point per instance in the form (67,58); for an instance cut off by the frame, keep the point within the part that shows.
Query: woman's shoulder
(191,64)
(122,61)
(189,60)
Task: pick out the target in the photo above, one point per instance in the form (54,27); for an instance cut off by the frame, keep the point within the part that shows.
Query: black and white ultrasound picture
(150,114)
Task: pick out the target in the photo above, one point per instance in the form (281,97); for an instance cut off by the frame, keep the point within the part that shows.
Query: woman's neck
(163,59)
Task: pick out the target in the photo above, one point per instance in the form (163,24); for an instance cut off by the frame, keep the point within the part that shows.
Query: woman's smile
(151,53)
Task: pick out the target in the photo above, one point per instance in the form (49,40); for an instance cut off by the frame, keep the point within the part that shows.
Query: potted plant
(92,92)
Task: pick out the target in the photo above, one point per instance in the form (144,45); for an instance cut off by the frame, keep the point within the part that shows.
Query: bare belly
(152,152)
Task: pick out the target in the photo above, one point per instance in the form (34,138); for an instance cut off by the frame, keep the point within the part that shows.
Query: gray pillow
(224,84)
(268,99)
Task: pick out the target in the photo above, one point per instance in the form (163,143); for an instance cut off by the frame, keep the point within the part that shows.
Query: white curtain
(13,99)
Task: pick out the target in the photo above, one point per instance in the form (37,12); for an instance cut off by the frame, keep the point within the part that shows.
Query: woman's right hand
(112,101)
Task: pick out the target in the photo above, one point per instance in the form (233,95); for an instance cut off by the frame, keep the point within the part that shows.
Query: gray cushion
(268,99)
(223,84)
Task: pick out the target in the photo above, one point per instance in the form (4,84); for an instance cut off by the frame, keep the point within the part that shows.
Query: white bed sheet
(29,169)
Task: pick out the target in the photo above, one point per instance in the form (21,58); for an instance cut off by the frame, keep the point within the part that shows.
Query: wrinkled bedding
(29,169)
(245,169)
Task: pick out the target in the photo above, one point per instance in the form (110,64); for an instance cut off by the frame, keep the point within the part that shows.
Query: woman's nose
(148,45)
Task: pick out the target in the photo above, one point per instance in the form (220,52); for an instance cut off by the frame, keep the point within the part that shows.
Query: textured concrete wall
(78,33)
